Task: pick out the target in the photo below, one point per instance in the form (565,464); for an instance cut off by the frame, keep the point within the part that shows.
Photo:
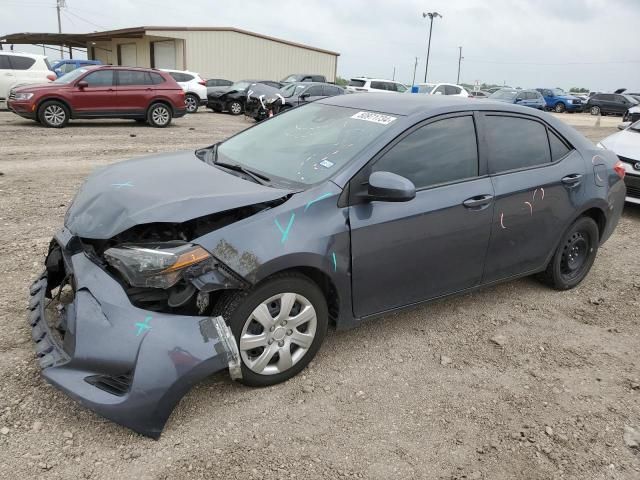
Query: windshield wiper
(256,177)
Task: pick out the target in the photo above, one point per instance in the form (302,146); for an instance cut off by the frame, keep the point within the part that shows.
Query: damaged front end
(130,352)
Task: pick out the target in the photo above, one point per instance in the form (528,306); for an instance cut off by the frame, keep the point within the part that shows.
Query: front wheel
(159,115)
(53,114)
(235,108)
(559,108)
(574,256)
(279,326)
(192,103)
(595,110)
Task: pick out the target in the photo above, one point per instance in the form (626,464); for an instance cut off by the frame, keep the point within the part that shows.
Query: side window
(68,67)
(378,85)
(440,90)
(515,142)
(101,78)
(21,63)
(558,148)
(133,77)
(156,78)
(314,91)
(451,90)
(330,91)
(547,93)
(400,88)
(440,152)
(4,62)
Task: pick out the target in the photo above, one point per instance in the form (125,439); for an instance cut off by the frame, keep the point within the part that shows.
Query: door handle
(478,201)
(572,180)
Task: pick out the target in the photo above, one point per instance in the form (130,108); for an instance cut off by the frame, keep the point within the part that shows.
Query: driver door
(98,97)
(434,244)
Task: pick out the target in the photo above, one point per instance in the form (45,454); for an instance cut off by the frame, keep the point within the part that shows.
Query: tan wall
(143,50)
(236,56)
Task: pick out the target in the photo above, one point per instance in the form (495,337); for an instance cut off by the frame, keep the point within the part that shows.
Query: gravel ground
(514,381)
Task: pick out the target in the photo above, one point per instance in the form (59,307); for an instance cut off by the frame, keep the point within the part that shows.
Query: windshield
(289,79)
(306,145)
(504,95)
(558,92)
(71,76)
(291,90)
(631,99)
(240,86)
(425,88)
(635,126)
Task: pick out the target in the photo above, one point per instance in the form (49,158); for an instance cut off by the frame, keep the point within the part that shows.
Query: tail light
(51,77)
(619,169)
(203,83)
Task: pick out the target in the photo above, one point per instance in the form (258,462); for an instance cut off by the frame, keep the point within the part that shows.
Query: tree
(579,90)
(341,82)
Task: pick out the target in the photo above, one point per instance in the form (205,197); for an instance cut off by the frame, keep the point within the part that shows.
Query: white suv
(22,69)
(195,88)
(363,84)
(442,89)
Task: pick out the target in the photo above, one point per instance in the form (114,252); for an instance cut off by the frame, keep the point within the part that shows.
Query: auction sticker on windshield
(374,117)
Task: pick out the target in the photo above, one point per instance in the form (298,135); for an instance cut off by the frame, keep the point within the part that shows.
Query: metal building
(228,53)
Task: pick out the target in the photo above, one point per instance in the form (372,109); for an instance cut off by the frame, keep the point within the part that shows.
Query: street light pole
(431,16)
(460,57)
(415,66)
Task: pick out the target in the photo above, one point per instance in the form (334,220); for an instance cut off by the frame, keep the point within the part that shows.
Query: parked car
(363,84)
(195,90)
(327,213)
(560,101)
(289,96)
(632,115)
(304,77)
(217,85)
(142,94)
(478,94)
(69,65)
(610,103)
(22,69)
(233,100)
(526,98)
(626,145)
(441,89)
(495,89)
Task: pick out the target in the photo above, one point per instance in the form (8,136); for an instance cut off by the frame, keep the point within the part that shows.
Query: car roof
(22,54)
(374,79)
(311,83)
(177,71)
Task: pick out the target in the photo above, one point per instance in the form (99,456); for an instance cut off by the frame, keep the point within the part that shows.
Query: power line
(85,20)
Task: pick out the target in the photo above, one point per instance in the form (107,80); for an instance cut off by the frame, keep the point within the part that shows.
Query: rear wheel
(53,114)
(235,107)
(159,115)
(279,326)
(595,110)
(192,103)
(559,108)
(574,256)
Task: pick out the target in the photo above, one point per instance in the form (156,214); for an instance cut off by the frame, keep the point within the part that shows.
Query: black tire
(559,108)
(159,115)
(574,256)
(595,110)
(191,102)
(235,107)
(236,309)
(53,114)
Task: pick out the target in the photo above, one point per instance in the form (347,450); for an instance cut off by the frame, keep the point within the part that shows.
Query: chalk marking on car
(120,185)
(542,190)
(502,220)
(142,326)
(285,232)
(534,195)
(530,207)
(335,262)
(321,197)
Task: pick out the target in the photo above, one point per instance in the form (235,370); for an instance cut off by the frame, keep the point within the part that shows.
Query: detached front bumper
(129,365)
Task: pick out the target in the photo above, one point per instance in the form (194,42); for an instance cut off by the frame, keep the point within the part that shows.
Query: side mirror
(623,125)
(82,84)
(518,100)
(389,187)
(304,96)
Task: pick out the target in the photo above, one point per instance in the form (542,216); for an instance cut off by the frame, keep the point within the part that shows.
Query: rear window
(133,77)
(558,148)
(181,77)
(156,78)
(357,83)
(4,62)
(21,63)
(515,143)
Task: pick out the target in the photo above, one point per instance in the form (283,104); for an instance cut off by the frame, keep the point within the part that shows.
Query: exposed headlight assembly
(23,96)
(159,265)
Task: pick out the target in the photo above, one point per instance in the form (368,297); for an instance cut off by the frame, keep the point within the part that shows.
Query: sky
(521,43)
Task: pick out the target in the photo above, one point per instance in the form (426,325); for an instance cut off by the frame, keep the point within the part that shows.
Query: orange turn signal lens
(196,255)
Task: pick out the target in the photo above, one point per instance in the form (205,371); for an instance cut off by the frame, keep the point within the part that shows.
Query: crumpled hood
(172,188)
(624,144)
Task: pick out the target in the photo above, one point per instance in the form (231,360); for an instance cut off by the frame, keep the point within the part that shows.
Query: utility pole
(431,16)
(60,4)
(415,66)
(460,57)
(394,74)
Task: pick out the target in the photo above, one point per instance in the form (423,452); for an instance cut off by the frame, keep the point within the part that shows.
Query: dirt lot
(422,394)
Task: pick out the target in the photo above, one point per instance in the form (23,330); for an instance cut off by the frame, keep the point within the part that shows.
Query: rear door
(538,181)
(408,252)
(135,91)
(98,98)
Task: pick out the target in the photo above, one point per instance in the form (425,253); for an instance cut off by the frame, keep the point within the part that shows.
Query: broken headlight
(159,265)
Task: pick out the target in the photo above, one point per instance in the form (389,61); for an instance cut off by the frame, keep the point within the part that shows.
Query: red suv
(142,94)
